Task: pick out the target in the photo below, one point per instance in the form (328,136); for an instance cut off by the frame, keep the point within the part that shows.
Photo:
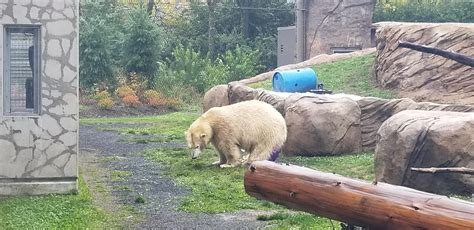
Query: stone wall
(338,24)
(39,153)
(423,76)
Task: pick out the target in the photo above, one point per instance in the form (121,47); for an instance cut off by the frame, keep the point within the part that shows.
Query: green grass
(351,76)
(52,211)
(168,127)
(299,220)
(360,166)
(118,175)
(215,190)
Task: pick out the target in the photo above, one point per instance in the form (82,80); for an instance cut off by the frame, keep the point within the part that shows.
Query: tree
(99,35)
(141,45)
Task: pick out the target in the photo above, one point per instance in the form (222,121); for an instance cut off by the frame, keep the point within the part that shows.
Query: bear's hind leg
(260,152)
(222,160)
(233,156)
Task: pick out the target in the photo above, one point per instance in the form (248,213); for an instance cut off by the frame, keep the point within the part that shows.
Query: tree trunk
(211,4)
(463,59)
(244,17)
(372,205)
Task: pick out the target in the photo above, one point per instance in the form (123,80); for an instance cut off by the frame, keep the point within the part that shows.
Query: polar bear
(253,126)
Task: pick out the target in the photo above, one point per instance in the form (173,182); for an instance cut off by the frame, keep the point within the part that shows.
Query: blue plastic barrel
(299,80)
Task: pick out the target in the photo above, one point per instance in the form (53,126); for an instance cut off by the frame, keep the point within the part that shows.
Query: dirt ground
(102,154)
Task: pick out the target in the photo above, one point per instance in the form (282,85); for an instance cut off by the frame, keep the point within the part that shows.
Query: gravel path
(147,180)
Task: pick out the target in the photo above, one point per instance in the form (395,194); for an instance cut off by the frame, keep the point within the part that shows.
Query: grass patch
(298,220)
(360,166)
(352,76)
(118,175)
(214,190)
(52,211)
(168,127)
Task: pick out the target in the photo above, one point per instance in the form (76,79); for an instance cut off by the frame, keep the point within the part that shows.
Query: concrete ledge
(38,187)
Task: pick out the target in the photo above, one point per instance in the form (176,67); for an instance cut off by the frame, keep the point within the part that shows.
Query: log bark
(463,59)
(371,205)
(462,170)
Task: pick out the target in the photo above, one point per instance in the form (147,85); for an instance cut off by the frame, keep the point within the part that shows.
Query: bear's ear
(203,135)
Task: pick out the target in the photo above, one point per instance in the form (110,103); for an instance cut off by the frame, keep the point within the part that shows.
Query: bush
(141,45)
(190,68)
(99,35)
(153,98)
(105,103)
(151,94)
(241,63)
(424,11)
(103,94)
(123,91)
(131,100)
(186,68)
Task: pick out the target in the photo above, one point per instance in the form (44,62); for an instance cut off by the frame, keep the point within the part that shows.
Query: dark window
(22,68)
(336,50)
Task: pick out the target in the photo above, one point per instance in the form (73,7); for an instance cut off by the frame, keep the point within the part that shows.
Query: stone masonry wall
(337,23)
(42,150)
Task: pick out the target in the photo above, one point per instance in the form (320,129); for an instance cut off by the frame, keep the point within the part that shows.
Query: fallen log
(462,170)
(463,59)
(370,205)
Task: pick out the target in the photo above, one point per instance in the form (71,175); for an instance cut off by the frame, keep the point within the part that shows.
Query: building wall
(39,154)
(342,24)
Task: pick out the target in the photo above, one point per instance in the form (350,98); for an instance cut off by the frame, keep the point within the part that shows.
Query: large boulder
(423,76)
(374,111)
(321,125)
(215,97)
(420,139)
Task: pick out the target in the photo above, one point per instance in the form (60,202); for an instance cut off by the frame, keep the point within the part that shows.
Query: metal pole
(300,30)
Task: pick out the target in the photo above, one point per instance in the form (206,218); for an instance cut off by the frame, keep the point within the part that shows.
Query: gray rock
(215,97)
(423,76)
(422,139)
(322,125)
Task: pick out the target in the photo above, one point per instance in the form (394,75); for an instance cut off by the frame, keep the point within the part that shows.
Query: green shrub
(99,36)
(242,63)
(187,67)
(141,45)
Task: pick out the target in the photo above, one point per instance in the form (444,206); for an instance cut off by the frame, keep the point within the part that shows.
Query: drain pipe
(300,30)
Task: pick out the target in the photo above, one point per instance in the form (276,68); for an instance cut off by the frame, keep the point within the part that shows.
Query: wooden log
(462,170)
(371,205)
(463,59)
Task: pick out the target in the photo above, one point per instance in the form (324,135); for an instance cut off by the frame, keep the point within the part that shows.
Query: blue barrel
(299,80)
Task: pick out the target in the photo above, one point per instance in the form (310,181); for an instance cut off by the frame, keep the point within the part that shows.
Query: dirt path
(104,152)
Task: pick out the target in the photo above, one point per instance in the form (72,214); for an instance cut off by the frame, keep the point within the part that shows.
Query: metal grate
(21,70)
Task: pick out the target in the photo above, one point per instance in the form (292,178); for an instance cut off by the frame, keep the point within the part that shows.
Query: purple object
(274,154)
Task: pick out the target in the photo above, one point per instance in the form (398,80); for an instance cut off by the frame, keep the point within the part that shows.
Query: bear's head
(198,137)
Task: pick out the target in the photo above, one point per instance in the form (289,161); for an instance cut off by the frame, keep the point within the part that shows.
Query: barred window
(22,68)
